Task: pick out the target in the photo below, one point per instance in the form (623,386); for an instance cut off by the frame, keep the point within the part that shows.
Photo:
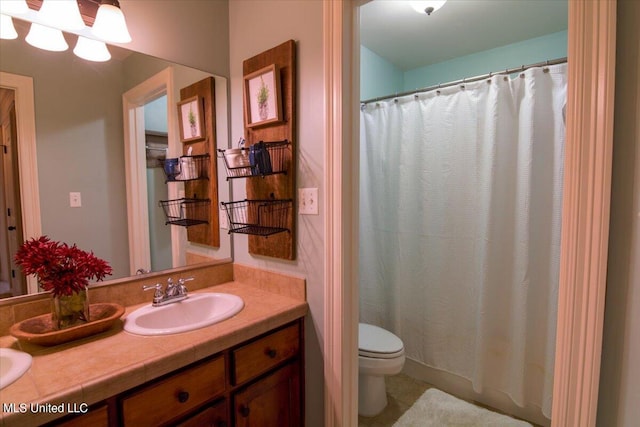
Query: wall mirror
(80,155)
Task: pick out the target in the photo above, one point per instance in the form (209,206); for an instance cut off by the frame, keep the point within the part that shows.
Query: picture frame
(262,101)
(191,119)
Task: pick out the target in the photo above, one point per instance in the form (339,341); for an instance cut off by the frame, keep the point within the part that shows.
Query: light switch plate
(75,200)
(308,201)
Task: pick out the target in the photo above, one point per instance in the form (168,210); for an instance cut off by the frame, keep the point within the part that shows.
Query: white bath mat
(438,409)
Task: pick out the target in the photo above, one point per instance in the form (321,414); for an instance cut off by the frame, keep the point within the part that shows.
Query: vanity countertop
(92,369)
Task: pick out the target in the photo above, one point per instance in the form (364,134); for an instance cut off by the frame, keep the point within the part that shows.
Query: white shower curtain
(460,207)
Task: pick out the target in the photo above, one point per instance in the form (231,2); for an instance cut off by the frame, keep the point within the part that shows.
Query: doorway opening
(12,280)
(155,93)
(20,205)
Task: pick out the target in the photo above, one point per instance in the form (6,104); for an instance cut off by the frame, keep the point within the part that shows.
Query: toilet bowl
(380,353)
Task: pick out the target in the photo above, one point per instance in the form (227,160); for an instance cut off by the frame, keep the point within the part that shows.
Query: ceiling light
(110,24)
(63,14)
(46,38)
(7,30)
(91,50)
(427,6)
(13,6)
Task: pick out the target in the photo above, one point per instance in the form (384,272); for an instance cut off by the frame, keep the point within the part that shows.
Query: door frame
(133,102)
(585,215)
(27,158)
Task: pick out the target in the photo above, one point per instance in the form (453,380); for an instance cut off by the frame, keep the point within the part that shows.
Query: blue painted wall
(378,77)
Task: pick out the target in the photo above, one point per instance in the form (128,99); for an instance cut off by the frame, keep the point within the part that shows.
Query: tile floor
(402,392)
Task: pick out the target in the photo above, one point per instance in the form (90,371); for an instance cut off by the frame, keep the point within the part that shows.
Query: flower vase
(69,310)
(263,110)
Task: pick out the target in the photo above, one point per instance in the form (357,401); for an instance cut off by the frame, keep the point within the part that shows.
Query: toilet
(380,353)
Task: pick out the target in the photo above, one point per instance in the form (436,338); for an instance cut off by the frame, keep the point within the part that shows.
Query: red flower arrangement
(60,268)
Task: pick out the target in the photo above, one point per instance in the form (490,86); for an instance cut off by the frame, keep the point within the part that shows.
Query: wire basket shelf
(186,212)
(242,163)
(258,217)
(186,168)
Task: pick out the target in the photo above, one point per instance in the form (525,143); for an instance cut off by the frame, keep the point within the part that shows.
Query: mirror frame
(585,216)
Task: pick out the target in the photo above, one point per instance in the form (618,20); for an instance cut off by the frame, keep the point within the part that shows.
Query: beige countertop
(92,369)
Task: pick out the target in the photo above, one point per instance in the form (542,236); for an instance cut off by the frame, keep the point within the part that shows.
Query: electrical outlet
(308,201)
(75,200)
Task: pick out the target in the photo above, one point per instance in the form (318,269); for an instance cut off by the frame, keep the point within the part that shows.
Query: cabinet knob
(183,396)
(244,411)
(271,353)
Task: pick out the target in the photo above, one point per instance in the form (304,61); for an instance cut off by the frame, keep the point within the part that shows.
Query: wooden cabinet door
(212,416)
(273,401)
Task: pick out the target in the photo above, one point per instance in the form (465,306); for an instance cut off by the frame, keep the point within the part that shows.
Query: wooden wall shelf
(206,233)
(277,187)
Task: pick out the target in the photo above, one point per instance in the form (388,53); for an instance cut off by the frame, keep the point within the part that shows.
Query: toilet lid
(374,341)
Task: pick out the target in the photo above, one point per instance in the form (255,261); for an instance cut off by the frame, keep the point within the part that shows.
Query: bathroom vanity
(258,382)
(246,370)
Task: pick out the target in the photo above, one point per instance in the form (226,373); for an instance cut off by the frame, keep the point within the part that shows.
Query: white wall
(255,26)
(620,373)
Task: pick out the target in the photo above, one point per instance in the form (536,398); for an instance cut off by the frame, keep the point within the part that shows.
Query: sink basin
(197,311)
(13,364)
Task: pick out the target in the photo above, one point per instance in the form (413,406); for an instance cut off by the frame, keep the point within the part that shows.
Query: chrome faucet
(174,292)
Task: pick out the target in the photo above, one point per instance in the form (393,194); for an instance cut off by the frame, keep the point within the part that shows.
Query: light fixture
(63,14)
(91,50)
(110,24)
(14,6)
(427,6)
(46,38)
(7,30)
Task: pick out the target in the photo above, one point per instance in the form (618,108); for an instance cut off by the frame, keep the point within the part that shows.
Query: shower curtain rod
(468,80)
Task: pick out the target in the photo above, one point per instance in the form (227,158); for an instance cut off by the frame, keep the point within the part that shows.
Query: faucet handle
(182,289)
(158,295)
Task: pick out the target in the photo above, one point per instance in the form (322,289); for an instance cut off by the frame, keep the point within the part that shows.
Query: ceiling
(396,32)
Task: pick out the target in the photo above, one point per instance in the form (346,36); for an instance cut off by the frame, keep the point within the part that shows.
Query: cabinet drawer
(97,417)
(176,395)
(259,356)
